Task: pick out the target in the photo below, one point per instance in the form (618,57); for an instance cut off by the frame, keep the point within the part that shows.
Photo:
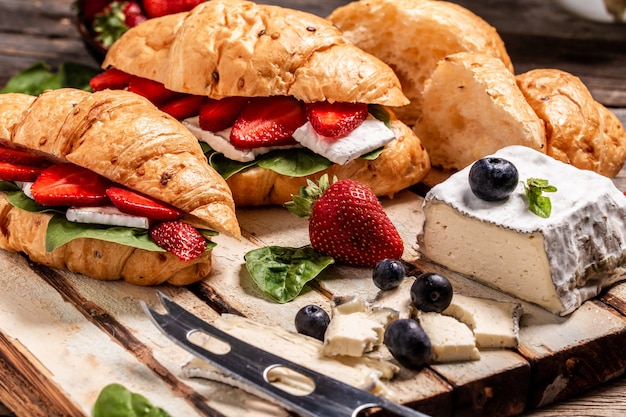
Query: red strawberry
(20,157)
(347,222)
(181,108)
(267,121)
(14,172)
(115,19)
(112,78)
(335,120)
(131,202)
(216,115)
(157,8)
(152,90)
(70,185)
(89,8)
(180,239)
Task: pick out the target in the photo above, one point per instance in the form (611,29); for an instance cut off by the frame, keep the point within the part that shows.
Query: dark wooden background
(537,33)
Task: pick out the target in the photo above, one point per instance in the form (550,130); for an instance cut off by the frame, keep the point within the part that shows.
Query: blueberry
(388,274)
(312,320)
(493,179)
(431,292)
(408,343)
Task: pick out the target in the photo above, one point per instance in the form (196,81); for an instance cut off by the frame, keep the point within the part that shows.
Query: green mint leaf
(282,272)
(537,202)
(380,113)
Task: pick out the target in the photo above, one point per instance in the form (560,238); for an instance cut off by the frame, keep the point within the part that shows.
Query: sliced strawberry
(131,202)
(20,157)
(181,108)
(152,90)
(335,120)
(216,115)
(267,121)
(70,185)
(111,78)
(14,172)
(180,239)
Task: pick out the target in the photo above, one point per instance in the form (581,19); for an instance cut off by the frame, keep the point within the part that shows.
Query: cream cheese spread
(556,262)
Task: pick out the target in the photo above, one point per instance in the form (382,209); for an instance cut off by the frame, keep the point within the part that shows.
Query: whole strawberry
(347,222)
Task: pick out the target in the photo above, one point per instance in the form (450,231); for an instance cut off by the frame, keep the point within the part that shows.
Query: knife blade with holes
(250,365)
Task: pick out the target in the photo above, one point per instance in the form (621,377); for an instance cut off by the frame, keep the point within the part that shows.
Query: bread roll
(225,48)
(471,108)
(403,162)
(412,36)
(579,130)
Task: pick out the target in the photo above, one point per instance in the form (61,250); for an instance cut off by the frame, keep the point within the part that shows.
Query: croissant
(224,49)
(125,138)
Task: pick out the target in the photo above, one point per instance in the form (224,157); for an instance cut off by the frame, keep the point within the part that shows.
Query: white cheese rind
(558,262)
(495,323)
(452,341)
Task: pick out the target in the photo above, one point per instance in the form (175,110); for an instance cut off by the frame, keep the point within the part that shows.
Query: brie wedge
(556,262)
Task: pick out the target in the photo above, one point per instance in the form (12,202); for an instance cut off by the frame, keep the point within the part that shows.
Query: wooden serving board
(63,337)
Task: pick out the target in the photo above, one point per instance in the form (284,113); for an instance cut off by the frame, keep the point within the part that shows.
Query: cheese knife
(251,366)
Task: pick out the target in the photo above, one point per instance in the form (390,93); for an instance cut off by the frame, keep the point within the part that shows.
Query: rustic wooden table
(537,34)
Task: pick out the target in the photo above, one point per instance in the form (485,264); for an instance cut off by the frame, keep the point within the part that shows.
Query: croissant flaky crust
(125,138)
(226,48)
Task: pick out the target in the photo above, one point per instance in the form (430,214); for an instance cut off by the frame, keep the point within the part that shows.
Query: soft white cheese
(556,263)
(495,323)
(220,142)
(356,328)
(370,135)
(452,341)
(25,186)
(107,215)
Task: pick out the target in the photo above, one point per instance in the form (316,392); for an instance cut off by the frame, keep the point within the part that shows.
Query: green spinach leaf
(282,272)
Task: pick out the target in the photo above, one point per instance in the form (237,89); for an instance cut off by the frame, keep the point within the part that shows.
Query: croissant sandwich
(276,96)
(107,185)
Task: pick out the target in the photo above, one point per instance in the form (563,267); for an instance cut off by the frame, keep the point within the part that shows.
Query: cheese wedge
(556,262)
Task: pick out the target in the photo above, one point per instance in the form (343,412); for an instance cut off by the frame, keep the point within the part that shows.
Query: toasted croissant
(125,138)
(226,48)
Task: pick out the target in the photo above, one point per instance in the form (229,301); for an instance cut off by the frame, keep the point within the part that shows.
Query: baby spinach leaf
(282,272)
(116,400)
